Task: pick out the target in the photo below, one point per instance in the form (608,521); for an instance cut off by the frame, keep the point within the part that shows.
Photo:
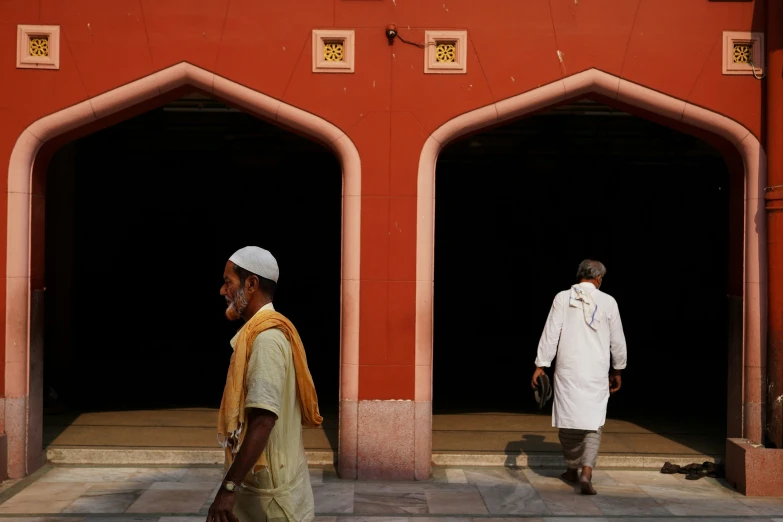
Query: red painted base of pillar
(754,471)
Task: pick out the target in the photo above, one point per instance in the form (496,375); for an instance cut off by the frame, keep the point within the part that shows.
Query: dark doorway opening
(140,220)
(519,206)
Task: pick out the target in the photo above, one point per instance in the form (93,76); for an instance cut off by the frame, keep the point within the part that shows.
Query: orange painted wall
(388,106)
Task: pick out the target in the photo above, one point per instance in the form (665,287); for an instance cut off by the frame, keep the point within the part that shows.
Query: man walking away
(584,331)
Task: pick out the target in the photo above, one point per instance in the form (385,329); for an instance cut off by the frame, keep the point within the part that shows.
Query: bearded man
(269,396)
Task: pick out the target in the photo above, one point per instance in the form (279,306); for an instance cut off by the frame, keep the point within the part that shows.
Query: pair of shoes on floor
(693,471)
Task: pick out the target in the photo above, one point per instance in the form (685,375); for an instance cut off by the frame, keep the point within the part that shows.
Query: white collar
(268,306)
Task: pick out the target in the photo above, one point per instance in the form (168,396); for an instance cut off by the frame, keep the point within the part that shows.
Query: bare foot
(586,482)
(570,476)
(587,487)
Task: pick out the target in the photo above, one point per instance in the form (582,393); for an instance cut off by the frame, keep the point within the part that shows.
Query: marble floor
(123,494)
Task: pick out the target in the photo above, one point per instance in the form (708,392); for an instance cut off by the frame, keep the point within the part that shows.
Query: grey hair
(590,269)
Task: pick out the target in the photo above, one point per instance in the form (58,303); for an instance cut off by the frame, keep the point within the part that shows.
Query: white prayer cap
(257,260)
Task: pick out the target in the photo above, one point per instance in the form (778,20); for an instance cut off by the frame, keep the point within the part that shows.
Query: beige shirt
(282,490)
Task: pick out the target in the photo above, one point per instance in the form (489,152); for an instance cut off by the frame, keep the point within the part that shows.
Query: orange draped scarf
(231,418)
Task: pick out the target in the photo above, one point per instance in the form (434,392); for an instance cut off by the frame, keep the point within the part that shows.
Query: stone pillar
(385,412)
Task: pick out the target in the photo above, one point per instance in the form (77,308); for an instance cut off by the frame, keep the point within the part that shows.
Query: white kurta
(583,358)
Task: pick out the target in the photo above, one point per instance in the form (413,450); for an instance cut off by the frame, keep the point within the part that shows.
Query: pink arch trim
(19,215)
(613,87)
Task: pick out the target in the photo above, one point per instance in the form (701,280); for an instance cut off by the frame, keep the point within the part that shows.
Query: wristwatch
(229,486)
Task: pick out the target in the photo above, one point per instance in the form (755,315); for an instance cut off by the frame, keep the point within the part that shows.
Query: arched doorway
(584,180)
(655,106)
(27,198)
(140,219)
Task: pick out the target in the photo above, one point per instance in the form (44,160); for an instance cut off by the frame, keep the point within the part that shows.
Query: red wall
(388,106)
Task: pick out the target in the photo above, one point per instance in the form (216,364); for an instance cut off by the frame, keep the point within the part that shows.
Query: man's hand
(259,425)
(536,374)
(615,381)
(222,509)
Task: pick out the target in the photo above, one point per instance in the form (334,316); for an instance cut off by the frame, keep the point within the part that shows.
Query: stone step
(208,456)
(555,460)
(108,456)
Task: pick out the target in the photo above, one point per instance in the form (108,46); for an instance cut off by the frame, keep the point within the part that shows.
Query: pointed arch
(23,422)
(596,82)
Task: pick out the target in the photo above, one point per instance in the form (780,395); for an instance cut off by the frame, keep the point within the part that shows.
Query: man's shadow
(529,443)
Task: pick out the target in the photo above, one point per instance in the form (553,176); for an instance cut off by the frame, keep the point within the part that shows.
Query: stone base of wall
(3,457)
(754,470)
(385,440)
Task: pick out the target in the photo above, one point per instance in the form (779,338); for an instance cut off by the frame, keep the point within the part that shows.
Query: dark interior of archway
(517,209)
(140,220)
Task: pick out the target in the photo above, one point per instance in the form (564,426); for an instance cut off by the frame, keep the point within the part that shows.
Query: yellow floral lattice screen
(39,45)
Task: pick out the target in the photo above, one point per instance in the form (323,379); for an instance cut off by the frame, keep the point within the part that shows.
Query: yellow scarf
(231,418)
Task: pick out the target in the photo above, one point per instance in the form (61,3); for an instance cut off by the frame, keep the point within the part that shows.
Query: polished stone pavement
(167,494)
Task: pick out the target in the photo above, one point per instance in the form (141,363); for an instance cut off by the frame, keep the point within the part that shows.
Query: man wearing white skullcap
(269,396)
(585,333)
(258,261)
